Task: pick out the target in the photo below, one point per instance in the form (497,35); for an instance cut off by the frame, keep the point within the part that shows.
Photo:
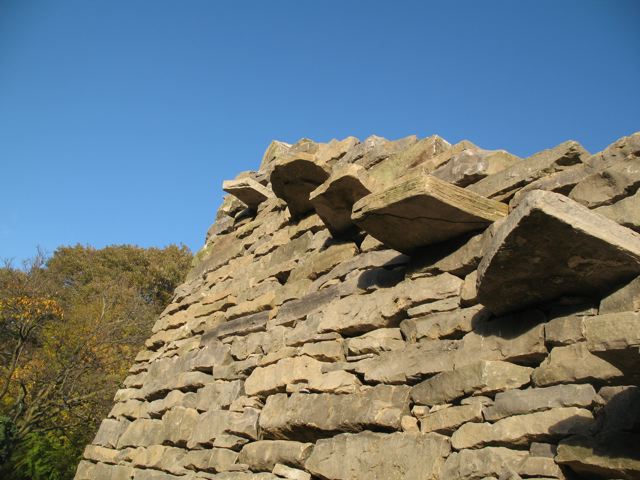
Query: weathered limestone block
(310,416)
(275,150)
(103,454)
(248,191)
(294,178)
(159,457)
(375,149)
(422,210)
(413,363)
(523,429)
(625,299)
(110,432)
(447,420)
(376,341)
(300,308)
(518,337)
(590,254)
(329,351)
(212,460)
(215,423)
(263,455)
(142,433)
(472,165)
(502,185)
(476,378)
(174,398)
(568,326)
(609,455)
(482,463)
(626,212)
(301,372)
(92,471)
(334,199)
(615,337)
(358,314)
(290,473)
(250,307)
(240,326)
(177,425)
(574,364)
(621,410)
(609,185)
(368,455)
(517,402)
(444,325)
(322,262)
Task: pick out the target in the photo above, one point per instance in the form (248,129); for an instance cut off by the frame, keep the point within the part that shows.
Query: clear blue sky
(120,119)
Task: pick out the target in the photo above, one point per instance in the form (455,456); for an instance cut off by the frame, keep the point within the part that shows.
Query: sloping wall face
(404,309)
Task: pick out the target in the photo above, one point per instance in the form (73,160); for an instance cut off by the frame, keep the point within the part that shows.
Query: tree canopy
(70,327)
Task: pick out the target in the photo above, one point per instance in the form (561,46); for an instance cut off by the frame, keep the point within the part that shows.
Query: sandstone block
(215,423)
(611,455)
(290,473)
(422,210)
(248,191)
(589,254)
(626,212)
(472,165)
(304,372)
(213,460)
(476,378)
(334,199)
(609,185)
(574,364)
(368,455)
(448,420)
(615,337)
(263,455)
(443,325)
(518,402)
(294,178)
(309,416)
(482,463)
(625,299)
(523,429)
(502,185)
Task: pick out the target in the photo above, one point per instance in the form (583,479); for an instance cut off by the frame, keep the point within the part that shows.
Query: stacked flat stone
(404,309)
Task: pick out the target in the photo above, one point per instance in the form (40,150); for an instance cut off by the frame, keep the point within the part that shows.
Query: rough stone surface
(425,210)
(590,254)
(374,455)
(248,191)
(524,429)
(476,378)
(308,416)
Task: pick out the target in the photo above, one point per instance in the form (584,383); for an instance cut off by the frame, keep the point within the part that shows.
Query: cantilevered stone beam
(247,191)
(421,210)
(334,199)
(550,246)
(294,178)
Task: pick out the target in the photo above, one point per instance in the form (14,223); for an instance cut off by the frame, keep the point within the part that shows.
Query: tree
(76,322)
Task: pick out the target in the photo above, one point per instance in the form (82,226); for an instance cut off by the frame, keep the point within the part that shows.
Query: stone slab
(422,210)
(248,191)
(550,246)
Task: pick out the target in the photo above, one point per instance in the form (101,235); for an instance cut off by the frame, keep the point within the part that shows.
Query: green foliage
(7,433)
(70,327)
(45,456)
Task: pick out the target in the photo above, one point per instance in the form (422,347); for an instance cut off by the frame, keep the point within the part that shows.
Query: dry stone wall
(398,309)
